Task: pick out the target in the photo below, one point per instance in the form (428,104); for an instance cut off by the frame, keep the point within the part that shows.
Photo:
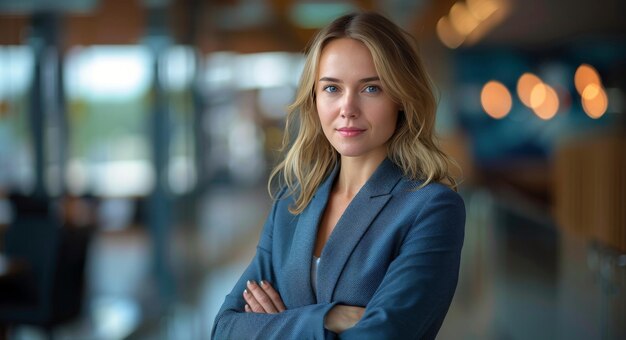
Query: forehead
(346,57)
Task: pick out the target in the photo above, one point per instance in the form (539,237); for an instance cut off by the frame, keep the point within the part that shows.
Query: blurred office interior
(136,137)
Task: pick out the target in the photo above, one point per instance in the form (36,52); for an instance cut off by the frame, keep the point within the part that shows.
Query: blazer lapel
(354,222)
(298,265)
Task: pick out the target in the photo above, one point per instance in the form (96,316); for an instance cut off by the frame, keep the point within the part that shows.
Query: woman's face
(357,116)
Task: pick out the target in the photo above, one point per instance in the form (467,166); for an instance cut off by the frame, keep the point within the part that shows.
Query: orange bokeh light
(448,35)
(538,95)
(482,9)
(586,75)
(495,99)
(549,106)
(595,106)
(462,19)
(591,91)
(525,85)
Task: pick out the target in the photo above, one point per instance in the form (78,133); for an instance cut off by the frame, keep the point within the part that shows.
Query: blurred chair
(48,290)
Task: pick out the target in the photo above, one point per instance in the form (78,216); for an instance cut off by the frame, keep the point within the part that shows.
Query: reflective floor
(520,278)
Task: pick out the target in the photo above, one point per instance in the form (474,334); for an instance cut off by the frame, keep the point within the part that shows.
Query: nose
(349,106)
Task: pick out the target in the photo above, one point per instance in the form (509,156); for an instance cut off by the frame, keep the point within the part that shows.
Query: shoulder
(433,202)
(436,213)
(431,193)
(415,192)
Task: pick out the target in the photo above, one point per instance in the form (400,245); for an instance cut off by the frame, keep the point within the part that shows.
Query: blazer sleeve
(417,289)
(232,322)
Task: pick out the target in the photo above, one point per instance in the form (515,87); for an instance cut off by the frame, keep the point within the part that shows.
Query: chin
(350,153)
(354,152)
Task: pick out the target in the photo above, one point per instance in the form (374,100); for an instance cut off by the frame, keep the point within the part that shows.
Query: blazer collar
(354,222)
(352,225)
(301,254)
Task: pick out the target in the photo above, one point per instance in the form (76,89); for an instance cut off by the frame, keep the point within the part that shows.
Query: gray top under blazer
(395,250)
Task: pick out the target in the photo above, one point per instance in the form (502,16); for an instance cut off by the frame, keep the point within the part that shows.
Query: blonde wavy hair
(309,158)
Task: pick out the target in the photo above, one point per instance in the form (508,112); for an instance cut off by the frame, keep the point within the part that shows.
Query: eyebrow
(364,80)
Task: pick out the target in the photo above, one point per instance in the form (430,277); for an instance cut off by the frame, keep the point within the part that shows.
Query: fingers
(260,301)
(252,304)
(274,296)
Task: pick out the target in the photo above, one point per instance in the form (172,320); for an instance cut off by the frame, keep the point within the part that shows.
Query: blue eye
(371,89)
(330,88)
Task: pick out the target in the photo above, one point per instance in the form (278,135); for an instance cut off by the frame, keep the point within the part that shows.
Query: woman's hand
(341,317)
(262,298)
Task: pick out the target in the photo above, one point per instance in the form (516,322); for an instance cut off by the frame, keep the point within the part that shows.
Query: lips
(350,131)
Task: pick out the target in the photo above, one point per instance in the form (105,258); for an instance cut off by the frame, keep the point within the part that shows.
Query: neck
(354,172)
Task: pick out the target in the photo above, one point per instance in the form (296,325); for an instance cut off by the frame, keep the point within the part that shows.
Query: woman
(363,241)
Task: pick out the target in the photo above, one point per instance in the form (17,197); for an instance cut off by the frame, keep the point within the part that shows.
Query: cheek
(390,129)
(393,125)
(387,120)
(324,113)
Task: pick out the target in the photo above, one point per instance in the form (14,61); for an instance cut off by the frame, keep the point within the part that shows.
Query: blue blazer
(395,251)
